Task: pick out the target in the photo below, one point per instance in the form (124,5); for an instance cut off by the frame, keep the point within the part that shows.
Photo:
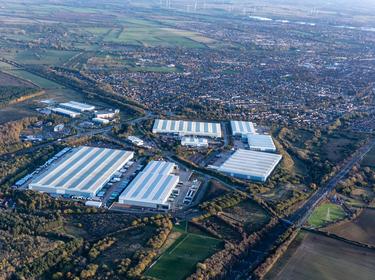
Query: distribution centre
(183,128)
(250,165)
(263,143)
(152,187)
(81,172)
(242,128)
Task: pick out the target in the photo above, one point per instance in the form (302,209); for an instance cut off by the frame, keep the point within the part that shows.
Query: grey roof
(191,140)
(187,128)
(242,127)
(260,142)
(250,163)
(153,185)
(85,169)
(78,106)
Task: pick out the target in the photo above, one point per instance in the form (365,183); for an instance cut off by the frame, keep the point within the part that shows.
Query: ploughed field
(361,229)
(312,256)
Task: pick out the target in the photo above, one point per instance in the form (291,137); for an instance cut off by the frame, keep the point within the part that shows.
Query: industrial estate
(187,140)
(84,172)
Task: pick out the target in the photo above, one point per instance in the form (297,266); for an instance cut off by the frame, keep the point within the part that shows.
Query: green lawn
(180,259)
(326,213)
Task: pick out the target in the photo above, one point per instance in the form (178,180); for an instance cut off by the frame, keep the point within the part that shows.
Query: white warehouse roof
(242,128)
(194,141)
(258,142)
(187,128)
(65,112)
(250,165)
(77,106)
(81,172)
(151,187)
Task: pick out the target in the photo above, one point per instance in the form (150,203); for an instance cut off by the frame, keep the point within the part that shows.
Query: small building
(107,114)
(152,187)
(93,203)
(187,128)
(58,127)
(101,121)
(135,140)
(242,128)
(77,106)
(262,143)
(191,141)
(250,165)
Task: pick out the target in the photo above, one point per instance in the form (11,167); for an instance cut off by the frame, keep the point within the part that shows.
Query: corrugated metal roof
(242,127)
(257,141)
(78,106)
(85,169)
(153,185)
(250,163)
(187,128)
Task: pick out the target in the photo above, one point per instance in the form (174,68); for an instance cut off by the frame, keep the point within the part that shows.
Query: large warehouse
(152,187)
(250,165)
(81,172)
(77,106)
(263,143)
(242,128)
(186,128)
(65,112)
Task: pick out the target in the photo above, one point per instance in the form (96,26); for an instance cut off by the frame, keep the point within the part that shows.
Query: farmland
(182,255)
(361,229)
(34,79)
(326,213)
(313,257)
(369,159)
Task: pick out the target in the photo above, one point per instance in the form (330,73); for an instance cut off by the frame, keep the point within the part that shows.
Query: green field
(39,81)
(180,259)
(40,56)
(326,213)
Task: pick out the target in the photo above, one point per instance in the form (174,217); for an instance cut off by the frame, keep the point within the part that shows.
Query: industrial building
(152,187)
(262,143)
(250,165)
(77,106)
(191,141)
(135,140)
(65,112)
(83,171)
(186,128)
(107,114)
(242,128)
(101,121)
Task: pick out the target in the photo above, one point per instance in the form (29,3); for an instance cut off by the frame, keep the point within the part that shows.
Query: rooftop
(83,170)
(250,164)
(187,128)
(78,106)
(260,142)
(151,186)
(242,127)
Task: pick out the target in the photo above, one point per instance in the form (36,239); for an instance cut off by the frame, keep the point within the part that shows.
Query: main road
(299,217)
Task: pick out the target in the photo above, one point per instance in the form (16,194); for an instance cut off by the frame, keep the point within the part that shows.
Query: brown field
(317,257)
(9,80)
(361,229)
